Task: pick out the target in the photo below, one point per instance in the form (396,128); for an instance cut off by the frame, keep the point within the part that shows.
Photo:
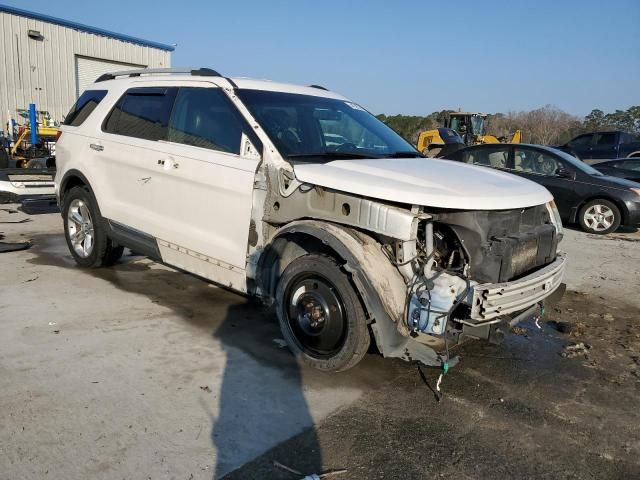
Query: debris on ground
(14,247)
(205,388)
(56,331)
(575,350)
(608,317)
(517,330)
(312,476)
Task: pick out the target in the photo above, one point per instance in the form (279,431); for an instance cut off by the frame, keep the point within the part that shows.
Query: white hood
(427,182)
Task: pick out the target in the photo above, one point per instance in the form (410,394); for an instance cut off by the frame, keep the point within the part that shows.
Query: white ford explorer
(303,198)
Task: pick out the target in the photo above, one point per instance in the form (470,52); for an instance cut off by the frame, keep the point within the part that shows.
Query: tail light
(58,135)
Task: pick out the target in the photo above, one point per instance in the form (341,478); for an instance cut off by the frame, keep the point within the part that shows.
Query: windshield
(317,129)
(477,124)
(576,162)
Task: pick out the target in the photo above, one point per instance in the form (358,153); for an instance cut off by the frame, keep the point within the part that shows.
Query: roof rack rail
(200,72)
(320,87)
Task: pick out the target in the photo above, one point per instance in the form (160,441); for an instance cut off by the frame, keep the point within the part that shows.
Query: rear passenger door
(126,158)
(204,185)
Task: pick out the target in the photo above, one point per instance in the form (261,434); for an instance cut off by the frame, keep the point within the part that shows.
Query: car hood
(426,182)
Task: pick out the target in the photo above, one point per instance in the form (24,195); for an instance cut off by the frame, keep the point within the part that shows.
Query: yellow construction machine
(468,125)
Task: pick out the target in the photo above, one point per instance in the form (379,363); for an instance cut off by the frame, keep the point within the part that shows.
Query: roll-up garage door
(89,69)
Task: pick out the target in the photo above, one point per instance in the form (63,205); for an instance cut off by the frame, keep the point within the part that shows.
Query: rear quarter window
(83,107)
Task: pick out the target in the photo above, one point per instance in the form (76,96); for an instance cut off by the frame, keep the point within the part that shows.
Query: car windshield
(316,129)
(576,162)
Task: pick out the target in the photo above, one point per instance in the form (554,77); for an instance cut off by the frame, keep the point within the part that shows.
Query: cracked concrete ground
(141,372)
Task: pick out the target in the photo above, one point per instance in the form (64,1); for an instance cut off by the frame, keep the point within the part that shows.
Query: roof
(85,28)
(191,73)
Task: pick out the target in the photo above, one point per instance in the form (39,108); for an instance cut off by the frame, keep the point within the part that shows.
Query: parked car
(615,144)
(599,203)
(628,168)
(236,181)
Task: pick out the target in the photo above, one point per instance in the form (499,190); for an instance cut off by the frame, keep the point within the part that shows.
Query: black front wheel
(320,314)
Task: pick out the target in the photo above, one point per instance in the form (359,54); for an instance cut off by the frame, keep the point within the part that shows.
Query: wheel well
(617,203)
(284,250)
(69,183)
(634,154)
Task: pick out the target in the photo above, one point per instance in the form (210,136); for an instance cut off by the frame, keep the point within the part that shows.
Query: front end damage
(429,278)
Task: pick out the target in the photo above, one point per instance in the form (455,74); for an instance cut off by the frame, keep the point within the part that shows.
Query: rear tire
(600,217)
(320,314)
(85,231)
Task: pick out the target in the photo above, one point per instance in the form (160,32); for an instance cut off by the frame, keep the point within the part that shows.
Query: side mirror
(564,173)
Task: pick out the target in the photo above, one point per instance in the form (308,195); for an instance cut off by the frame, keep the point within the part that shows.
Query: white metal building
(49,61)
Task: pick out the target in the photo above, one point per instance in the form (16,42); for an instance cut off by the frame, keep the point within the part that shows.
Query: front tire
(85,232)
(599,216)
(320,314)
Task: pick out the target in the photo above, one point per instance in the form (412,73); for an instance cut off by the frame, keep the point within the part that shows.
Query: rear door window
(83,107)
(496,157)
(142,113)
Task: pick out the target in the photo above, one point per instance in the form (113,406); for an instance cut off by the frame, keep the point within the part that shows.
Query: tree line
(547,125)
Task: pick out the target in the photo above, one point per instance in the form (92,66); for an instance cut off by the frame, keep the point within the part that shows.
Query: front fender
(377,280)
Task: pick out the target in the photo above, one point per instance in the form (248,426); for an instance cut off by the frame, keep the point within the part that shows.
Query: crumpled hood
(427,182)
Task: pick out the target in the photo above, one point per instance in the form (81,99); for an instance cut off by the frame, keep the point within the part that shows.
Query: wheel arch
(72,178)
(377,282)
(617,202)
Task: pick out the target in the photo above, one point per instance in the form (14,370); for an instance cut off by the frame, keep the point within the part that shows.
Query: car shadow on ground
(261,396)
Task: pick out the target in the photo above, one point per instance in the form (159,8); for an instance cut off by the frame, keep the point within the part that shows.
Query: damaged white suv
(303,198)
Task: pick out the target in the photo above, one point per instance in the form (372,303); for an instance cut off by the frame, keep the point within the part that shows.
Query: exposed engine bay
(459,250)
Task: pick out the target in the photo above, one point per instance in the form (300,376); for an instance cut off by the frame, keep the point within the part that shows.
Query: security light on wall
(35,34)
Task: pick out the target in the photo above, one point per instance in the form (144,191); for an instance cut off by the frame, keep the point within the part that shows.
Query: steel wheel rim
(599,217)
(315,315)
(80,228)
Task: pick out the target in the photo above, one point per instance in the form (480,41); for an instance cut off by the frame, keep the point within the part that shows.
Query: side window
(581,141)
(83,107)
(204,117)
(142,113)
(496,157)
(629,165)
(605,139)
(533,161)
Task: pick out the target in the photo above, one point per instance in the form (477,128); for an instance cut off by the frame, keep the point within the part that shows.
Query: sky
(402,56)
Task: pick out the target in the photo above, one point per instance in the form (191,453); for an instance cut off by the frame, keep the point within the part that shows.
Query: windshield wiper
(331,155)
(403,155)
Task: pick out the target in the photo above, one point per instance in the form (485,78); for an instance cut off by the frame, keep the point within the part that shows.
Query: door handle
(96,147)
(171,163)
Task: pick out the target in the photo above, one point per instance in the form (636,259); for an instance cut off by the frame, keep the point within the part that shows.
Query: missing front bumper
(493,300)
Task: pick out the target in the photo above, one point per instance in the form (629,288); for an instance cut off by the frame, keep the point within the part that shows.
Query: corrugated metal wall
(44,71)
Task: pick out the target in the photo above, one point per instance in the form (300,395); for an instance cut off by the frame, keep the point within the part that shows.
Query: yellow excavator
(470,130)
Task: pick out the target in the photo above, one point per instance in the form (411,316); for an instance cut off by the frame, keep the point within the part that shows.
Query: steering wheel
(346,147)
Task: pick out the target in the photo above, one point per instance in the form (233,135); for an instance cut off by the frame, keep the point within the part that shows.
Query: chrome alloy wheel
(80,228)
(599,217)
